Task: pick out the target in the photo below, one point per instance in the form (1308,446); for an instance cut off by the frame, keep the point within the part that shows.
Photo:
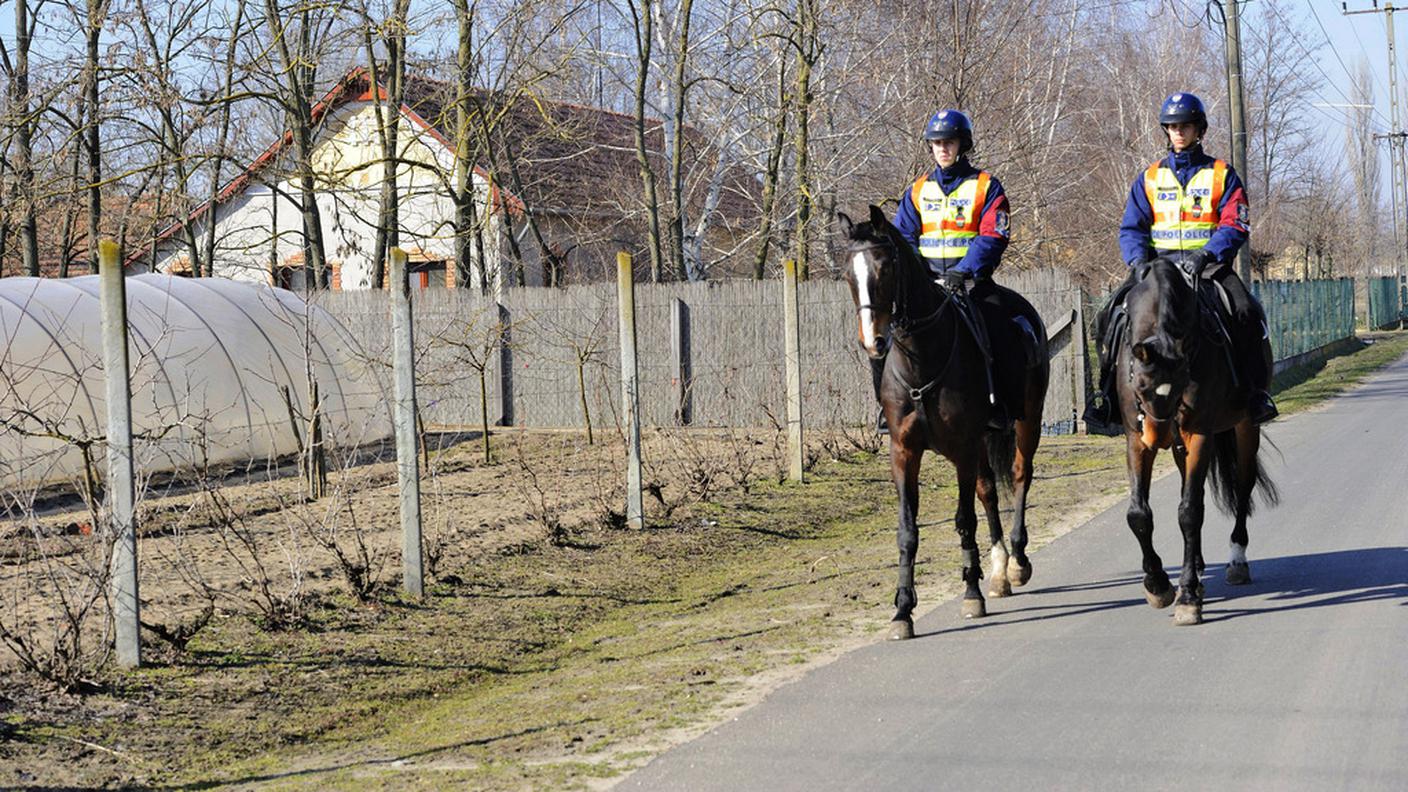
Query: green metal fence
(1385,305)
(1305,315)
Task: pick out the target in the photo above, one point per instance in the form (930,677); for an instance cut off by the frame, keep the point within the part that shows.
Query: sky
(1345,42)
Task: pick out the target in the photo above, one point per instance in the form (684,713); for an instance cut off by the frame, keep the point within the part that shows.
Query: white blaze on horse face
(867,318)
(1163,390)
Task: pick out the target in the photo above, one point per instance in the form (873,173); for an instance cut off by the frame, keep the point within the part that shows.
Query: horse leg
(904,468)
(1019,567)
(998,585)
(1188,608)
(965,519)
(1180,458)
(1248,443)
(1140,458)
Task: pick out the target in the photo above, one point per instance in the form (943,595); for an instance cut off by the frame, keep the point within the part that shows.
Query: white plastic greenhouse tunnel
(214,367)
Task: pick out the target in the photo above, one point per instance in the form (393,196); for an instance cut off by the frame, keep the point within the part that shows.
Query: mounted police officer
(956,216)
(1192,209)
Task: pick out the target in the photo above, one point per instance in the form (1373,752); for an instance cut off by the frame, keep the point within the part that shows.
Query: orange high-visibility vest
(949,222)
(1184,217)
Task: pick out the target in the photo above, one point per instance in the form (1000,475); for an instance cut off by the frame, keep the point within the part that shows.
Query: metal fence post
(630,388)
(407,462)
(121,492)
(681,365)
(793,362)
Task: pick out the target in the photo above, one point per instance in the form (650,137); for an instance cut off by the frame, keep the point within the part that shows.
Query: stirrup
(882,427)
(1261,408)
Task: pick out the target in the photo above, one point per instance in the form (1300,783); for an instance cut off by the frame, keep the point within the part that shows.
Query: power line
(1336,52)
(1316,63)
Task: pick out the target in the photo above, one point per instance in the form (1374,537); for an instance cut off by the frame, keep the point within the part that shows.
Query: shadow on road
(1315,580)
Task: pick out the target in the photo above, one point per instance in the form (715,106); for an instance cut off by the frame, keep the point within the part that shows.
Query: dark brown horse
(935,394)
(1177,390)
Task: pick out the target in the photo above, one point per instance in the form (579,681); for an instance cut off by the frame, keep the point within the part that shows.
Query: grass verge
(551,664)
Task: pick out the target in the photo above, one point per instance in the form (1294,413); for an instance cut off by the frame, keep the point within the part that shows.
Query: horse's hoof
(1187,614)
(901,630)
(1018,573)
(1239,573)
(999,587)
(974,608)
(1159,599)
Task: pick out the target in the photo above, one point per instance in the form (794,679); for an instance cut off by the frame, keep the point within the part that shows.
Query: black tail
(1002,450)
(1224,475)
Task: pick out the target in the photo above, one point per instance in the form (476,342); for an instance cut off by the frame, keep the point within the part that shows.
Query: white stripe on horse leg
(999,555)
(1238,554)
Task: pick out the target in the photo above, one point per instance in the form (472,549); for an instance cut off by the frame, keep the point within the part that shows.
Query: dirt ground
(554,649)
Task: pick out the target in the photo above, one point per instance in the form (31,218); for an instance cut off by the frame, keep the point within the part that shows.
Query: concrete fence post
(681,368)
(792,358)
(630,388)
(121,491)
(404,417)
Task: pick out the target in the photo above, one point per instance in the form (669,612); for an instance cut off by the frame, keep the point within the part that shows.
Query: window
(427,274)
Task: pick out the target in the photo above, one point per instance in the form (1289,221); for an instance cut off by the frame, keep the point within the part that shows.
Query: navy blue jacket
(1136,244)
(985,250)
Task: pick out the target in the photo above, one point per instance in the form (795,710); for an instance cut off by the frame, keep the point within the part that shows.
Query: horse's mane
(1174,304)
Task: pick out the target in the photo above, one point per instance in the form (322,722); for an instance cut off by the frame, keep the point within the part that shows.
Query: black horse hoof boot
(881,425)
(1261,408)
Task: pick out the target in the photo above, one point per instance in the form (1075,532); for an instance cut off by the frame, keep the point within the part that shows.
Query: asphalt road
(1296,681)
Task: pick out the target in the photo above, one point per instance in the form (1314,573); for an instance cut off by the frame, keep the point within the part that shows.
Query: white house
(563,197)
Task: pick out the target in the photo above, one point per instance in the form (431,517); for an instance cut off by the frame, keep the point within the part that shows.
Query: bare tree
(22,121)
(642,25)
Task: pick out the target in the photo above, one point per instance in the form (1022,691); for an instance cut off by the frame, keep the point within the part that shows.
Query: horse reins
(904,325)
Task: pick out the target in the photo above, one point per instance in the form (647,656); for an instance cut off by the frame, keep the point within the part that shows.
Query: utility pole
(1232,28)
(1395,155)
(1396,136)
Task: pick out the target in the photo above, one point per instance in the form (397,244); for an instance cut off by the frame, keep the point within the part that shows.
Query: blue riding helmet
(948,125)
(1183,108)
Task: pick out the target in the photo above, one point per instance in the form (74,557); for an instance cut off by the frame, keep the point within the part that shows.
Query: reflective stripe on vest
(949,222)
(1184,218)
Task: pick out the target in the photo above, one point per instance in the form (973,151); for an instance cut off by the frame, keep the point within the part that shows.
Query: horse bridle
(900,320)
(899,313)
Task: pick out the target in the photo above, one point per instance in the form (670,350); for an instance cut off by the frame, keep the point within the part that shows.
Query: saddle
(1214,319)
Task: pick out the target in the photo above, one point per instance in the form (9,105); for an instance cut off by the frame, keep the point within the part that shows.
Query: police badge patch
(1001,225)
(1244,215)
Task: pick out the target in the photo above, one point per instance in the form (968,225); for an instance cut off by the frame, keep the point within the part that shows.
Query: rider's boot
(1260,407)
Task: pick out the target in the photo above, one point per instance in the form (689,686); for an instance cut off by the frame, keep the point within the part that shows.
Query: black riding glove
(1201,261)
(952,281)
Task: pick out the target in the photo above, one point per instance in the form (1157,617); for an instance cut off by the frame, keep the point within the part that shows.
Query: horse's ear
(877,217)
(848,227)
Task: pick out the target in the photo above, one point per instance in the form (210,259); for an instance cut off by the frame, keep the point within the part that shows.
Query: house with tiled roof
(558,191)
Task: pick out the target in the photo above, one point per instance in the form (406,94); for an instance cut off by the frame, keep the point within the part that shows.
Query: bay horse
(1177,390)
(935,394)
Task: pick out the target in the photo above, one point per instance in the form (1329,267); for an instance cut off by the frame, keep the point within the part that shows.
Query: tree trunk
(97,11)
(388,110)
(770,177)
(24,138)
(643,27)
(218,161)
(807,56)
